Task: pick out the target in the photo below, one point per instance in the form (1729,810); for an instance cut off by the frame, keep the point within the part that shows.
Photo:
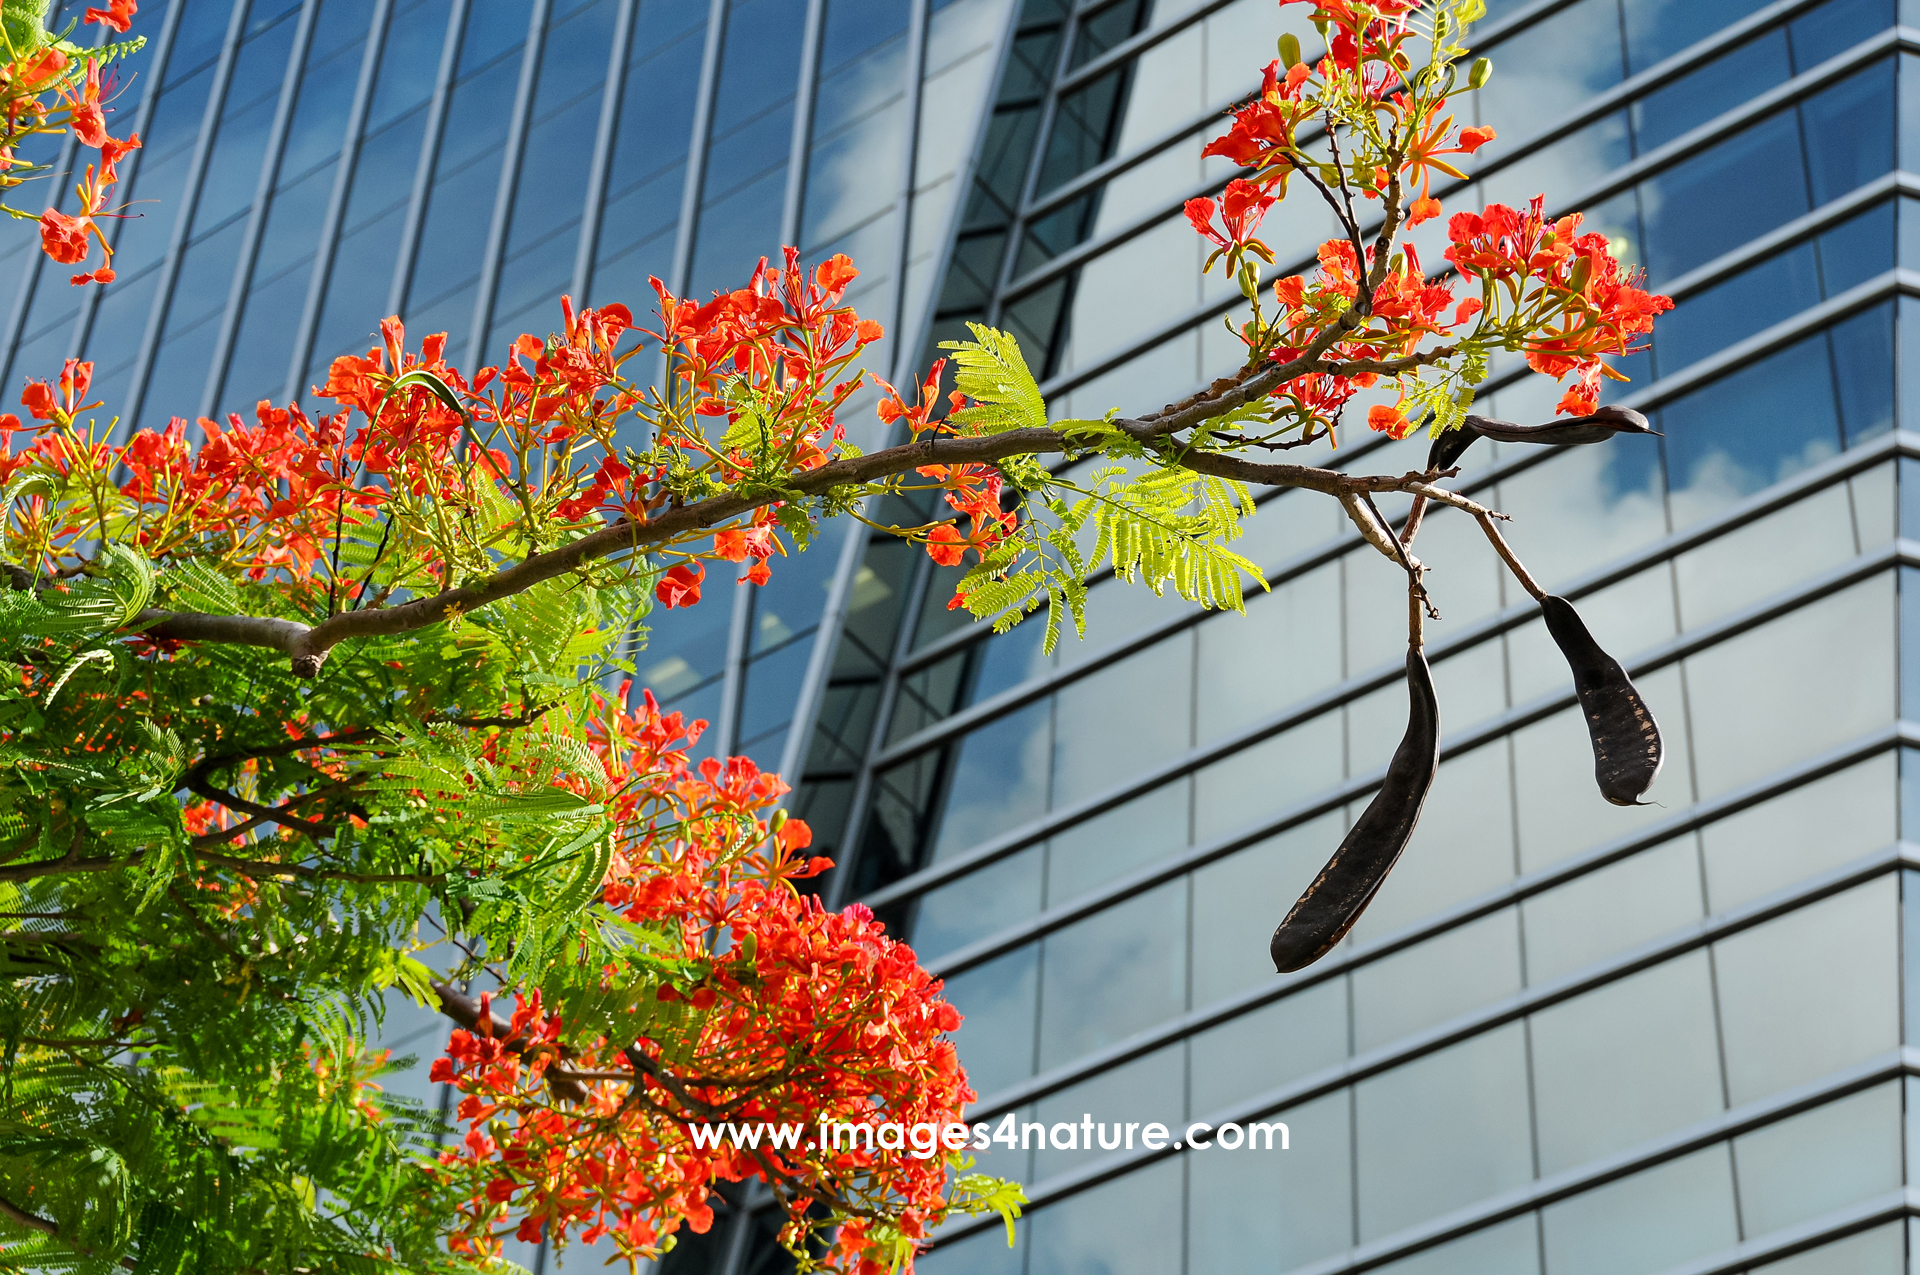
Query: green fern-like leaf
(993,373)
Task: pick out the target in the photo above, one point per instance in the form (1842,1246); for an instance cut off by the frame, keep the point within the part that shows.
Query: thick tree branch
(307,646)
(465,1010)
(15,1213)
(276,814)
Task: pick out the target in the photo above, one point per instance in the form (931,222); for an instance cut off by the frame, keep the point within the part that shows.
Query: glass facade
(1567,1037)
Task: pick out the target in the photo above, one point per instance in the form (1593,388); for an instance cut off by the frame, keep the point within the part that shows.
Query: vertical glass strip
(543,230)
(466,174)
(642,209)
(750,138)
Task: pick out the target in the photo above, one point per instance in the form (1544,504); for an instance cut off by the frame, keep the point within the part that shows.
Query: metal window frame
(683,235)
(1887,43)
(1900,553)
(880,758)
(142,122)
(333,222)
(1890,738)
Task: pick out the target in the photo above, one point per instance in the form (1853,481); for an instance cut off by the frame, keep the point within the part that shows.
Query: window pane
(1747,431)
(1560,809)
(1443,1132)
(1795,543)
(1877,1252)
(1585,507)
(1553,67)
(1466,967)
(978,904)
(1462,848)
(1238,900)
(1751,301)
(1115,973)
(1269,1047)
(1264,1212)
(1511,1248)
(1647,1222)
(1839,651)
(1818,1161)
(1090,854)
(1815,827)
(996,1000)
(1719,85)
(1283,631)
(1625,618)
(1145,699)
(1625,1063)
(1811,992)
(1149,1089)
(1266,778)
(1597,915)
(1130,1226)
(984,1253)
(999,779)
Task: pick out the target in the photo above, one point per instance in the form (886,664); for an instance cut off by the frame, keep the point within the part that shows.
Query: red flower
(118,14)
(38,399)
(65,237)
(680,587)
(946,546)
(1390,421)
(1242,205)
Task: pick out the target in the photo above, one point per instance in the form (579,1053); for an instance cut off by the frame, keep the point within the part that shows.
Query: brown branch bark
(274,814)
(307,646)
(465,1010)
(33,1222)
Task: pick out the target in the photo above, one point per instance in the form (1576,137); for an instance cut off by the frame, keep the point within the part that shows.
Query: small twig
(1485,519)
(1351,221)
(1414,515)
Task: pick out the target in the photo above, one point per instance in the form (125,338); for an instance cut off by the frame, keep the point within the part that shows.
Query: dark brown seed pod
(1626,740)
(1596,428)
(1322,916)
(1450,447)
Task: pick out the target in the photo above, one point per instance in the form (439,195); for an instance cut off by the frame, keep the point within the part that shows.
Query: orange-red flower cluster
(775,1011)
(79,101)
(1577,306)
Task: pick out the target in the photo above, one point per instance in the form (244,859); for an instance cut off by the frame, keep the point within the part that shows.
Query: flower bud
(1289,50)
(1582,272)
(1482,72)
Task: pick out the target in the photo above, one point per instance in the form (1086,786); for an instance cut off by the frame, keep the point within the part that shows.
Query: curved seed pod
(1597,428)
(1451,446)
(1322,916)
(1626,740)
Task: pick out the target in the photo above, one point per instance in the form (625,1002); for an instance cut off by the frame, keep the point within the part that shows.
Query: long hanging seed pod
(1626,740)
(1597,427)
(1321,917)
(1627,752)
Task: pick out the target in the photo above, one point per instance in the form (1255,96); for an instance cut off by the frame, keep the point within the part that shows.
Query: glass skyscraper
(1567,1038)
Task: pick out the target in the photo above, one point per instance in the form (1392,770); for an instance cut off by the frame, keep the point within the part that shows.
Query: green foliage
(1163,525)
(991,371)
(184,1079)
